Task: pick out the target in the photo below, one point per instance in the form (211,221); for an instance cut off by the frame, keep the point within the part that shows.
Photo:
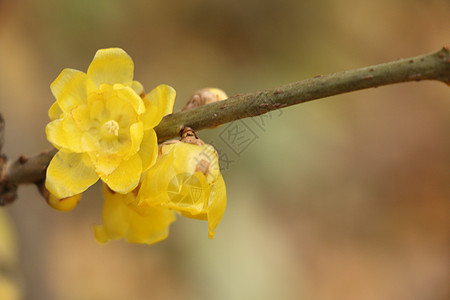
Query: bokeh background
(341,198)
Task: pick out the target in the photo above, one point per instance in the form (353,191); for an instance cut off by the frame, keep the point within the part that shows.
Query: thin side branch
(432,66)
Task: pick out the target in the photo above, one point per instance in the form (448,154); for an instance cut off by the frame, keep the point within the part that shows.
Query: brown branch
(432,66)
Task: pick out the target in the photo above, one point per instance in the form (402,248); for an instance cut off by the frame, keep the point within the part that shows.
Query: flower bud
(205,96)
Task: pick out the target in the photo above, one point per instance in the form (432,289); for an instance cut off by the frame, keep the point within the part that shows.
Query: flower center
(110,128)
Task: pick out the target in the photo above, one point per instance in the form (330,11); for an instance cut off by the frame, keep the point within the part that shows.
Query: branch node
(23,159)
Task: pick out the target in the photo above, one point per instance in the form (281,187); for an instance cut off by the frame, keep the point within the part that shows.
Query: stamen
(111,128)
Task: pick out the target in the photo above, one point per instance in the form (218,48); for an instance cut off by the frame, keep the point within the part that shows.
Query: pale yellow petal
(136,135)
(111,66)
(55,111)
(216,204)
(80,116)
(128,95)
(90,141)
(121,220)
(105,164)
(189,193)
(154,188)
(69,89)
(149,149)
(176,164)
(136,86)
(159,102)
(185,179)
(64,133)
(191,157)
(69,174)
(126,177)
(96,109)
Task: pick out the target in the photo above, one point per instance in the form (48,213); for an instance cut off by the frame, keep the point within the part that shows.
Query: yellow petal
(192,158)
(65,204)
(111,66)
(81,117)
(55,111)
(128,95)
(96,108)
(69,89)
(90,141)
(136,135)
(189,193)
(121,220)
(154,186)
(126,177)
(69,173)
(176,164)
(149,149)
(159,102)
(136,86)
(105,164)
(217,204)
(184,179)
(64,133)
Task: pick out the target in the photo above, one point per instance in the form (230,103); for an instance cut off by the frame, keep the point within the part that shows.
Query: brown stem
(432,66)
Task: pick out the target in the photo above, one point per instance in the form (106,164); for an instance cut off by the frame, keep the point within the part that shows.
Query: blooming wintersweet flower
(122,218)
(102,124)
(186,178)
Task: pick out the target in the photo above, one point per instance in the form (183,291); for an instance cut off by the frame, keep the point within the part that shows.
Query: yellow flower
(122,218)
(102,127)
(186,178)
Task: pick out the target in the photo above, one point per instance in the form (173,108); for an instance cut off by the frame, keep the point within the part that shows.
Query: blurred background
(341,198)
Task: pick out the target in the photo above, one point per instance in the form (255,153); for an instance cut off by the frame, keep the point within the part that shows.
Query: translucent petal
(159,102)
(189,193)
(136,134)
(216,204)
(80,115)
(177,162)
(154,186)
(192,158)
(149,149)
(105,164)
(125,116)
(128,95)
(114,107)
(90,141)
(69,89)
(55,111)
(184,179)
(111,66)
(64,133)
(126,177)
(136,86)
(69,174)
(96,109)
(121,220)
